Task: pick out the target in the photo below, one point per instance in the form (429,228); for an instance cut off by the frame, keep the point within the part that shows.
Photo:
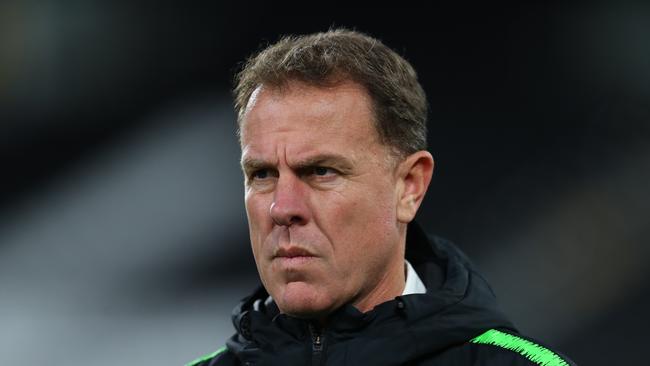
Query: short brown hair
(323,59)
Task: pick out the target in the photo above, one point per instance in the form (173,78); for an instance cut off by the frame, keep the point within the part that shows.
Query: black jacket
(456,322)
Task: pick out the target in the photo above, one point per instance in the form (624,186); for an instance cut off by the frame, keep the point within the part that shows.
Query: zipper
(317,342)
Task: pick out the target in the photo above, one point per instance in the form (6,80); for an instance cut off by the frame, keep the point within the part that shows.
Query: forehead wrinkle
(321,107)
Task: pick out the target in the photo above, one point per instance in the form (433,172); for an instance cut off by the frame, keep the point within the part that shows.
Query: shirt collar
(414,284)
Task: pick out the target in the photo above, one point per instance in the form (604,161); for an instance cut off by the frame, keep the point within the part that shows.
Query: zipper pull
(318,345)
(316,338)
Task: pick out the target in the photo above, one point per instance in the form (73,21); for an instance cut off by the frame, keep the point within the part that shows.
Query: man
(333,140)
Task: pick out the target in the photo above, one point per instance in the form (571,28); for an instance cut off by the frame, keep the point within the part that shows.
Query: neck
(390,285)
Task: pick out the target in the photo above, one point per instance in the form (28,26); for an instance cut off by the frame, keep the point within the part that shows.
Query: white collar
(414,284)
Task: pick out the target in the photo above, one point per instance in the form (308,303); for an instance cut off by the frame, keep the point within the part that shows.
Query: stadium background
(123,237)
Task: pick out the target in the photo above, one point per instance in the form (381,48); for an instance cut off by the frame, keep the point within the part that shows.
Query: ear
(414,176)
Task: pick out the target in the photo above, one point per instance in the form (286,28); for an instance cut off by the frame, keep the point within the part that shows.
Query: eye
(260,174)
(319,170)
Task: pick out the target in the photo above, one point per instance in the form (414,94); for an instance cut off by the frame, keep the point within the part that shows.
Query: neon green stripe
(532,351)
(207,357)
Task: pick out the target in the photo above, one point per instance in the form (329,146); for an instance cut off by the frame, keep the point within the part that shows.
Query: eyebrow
(249,164)
(335,160)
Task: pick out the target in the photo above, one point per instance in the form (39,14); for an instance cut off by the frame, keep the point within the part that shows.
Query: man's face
(320,197)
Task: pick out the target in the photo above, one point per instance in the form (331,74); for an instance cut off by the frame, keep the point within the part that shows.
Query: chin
(303,301)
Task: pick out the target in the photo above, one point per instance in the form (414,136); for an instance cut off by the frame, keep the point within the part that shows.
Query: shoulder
(496,347)
(220,357)
(520,350)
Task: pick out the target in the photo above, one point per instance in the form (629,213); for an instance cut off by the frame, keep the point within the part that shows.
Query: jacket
(456,322)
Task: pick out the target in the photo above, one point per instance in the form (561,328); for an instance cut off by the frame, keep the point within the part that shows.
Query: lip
(293,252)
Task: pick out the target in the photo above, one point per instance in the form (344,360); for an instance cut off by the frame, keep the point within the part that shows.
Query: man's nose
(289,206)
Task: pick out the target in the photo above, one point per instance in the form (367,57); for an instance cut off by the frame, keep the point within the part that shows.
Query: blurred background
(123,238)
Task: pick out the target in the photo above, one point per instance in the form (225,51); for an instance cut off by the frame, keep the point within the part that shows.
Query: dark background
(123,238)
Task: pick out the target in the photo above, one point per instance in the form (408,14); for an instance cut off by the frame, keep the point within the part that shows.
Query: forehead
(300,116)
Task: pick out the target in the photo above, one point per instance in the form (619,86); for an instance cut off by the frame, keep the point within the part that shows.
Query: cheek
(258,220)
(362,222)
(259,228)
(374,209)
